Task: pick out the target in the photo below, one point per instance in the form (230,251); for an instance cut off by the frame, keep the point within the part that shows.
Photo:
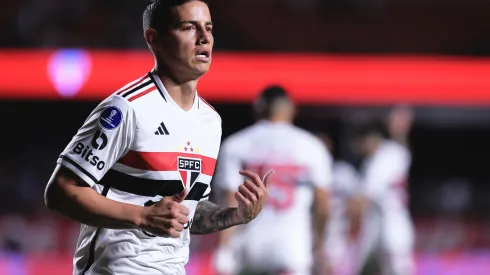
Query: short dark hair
(270,95)
(374,126)
(157,12)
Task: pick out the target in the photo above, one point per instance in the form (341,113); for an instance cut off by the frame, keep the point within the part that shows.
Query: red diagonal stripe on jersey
(143,78)
(164,161)
(207,104)
(149,90)
(183,174)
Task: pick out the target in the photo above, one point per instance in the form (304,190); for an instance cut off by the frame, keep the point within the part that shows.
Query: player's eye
(188,27)
(209,29)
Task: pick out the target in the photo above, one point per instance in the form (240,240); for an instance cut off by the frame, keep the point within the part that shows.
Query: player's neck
(280,118)
(183,94)
(374,148)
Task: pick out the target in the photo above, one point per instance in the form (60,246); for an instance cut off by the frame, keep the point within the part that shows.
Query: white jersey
(387,227)
(345,181)
(137,147)
(345,185)
(339,249)
(385,176)
(280,236)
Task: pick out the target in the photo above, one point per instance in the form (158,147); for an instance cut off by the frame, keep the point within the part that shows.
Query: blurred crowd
(367,26)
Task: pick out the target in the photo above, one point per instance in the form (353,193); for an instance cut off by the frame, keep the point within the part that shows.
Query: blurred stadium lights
(68,71)
(236,77)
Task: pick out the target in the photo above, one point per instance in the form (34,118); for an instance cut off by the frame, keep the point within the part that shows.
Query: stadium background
(343,60)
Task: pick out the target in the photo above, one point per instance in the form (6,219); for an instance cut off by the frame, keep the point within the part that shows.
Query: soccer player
(344,221)
(280,240)
(399,124)
(386,230)
(137,173)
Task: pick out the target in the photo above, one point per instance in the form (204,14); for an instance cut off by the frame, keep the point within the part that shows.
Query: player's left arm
(321,166)
(251,196)
(320,213)
(210,218)
(321,173)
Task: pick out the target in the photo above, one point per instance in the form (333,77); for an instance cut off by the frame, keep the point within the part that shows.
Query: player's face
(188,46)
(369,144)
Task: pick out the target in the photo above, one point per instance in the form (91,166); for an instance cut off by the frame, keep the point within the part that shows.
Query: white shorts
(265,254)
(391,238)
(339,250)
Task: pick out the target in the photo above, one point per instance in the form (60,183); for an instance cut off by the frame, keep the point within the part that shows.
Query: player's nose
(203,40)
(204,37)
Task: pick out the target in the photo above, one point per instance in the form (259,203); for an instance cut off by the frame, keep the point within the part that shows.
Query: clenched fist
(165,218)
(251,196)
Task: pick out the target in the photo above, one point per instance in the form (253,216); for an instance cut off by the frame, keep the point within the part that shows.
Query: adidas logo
(162,130)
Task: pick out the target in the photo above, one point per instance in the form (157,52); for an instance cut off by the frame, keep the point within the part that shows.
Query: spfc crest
(189,170)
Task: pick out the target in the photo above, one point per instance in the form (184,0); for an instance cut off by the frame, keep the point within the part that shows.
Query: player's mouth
(203,55)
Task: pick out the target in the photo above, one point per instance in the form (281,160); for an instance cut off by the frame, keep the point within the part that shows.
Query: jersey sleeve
(345,178)
(320,166)
(228,167)
(105,136)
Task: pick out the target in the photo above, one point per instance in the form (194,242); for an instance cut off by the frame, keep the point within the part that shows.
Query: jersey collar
(166,96)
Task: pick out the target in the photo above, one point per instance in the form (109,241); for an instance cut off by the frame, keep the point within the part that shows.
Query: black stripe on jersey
(196,192)
(141,186)
(91,251)
(105,191)
(137,88)
(164,128)
(79,167)
(160,131)
(156,84)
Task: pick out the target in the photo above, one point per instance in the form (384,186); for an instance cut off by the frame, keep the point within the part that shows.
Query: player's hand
(251,196)
(166,218)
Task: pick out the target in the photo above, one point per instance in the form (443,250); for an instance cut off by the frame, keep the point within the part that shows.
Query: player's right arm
(73,189)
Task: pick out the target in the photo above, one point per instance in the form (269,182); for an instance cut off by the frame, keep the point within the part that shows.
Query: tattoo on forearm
(210,218)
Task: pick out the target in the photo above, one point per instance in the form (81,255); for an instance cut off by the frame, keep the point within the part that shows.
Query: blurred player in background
(386,229)
(281,240)
(137,174)
(399,123)
(344,220)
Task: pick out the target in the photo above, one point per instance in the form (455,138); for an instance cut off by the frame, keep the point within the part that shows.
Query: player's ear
(151,38)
